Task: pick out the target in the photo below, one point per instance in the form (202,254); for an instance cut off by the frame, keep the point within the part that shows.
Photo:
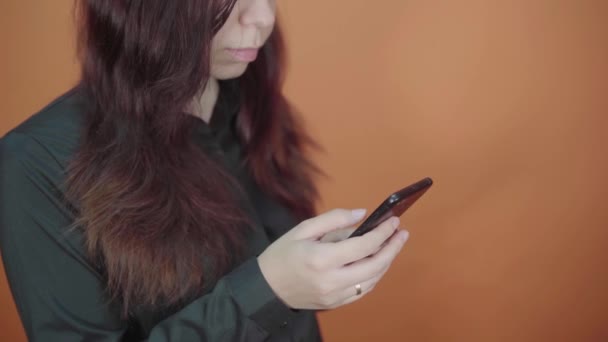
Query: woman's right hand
(306,273)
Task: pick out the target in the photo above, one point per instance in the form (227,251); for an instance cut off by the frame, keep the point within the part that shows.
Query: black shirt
(60,295)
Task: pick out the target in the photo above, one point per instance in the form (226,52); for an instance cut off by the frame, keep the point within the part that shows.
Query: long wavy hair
(160,216)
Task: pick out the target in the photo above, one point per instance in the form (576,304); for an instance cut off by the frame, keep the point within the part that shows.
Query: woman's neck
(207,101)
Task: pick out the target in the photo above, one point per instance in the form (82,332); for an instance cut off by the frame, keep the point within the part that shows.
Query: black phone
(395,205)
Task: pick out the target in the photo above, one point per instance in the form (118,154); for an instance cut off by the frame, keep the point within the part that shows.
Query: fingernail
(395,222)
(404,235)
(358,213)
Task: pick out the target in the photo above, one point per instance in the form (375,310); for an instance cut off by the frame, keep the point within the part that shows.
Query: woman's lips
(244,55)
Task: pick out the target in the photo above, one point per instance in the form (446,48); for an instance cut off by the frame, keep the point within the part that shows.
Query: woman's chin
(229,72)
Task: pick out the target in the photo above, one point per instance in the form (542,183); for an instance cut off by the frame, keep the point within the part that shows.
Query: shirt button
(284,324)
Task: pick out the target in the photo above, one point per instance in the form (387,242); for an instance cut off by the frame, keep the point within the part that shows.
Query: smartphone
(395,205)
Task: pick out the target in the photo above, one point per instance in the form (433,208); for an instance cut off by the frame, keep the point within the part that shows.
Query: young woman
(168,196)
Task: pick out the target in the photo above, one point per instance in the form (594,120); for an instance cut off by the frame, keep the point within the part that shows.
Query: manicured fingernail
(395,222)
(358,213)
(404,235)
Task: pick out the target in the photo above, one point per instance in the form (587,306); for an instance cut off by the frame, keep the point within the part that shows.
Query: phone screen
(395,205)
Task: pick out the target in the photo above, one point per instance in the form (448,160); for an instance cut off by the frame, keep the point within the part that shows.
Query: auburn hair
(160,216)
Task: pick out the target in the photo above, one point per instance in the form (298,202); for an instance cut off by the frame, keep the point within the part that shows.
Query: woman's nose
(260,13)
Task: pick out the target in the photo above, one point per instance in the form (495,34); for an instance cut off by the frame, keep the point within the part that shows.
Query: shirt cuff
(256,298)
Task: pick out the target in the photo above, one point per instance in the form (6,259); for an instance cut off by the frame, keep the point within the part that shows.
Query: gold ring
(358,288)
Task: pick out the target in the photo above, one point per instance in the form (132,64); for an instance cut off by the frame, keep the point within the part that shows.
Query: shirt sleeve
(60,296)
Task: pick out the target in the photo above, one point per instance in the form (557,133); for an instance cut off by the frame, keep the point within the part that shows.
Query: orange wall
(503,103)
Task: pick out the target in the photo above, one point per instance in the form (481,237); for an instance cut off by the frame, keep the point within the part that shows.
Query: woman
(168,196)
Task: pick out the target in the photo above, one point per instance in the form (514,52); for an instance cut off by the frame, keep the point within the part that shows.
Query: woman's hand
(309,270)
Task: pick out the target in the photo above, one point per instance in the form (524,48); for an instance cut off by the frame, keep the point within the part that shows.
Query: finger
(349,295)
(316,227)
(359,247)
(367,282)
(337,235)
(366,286)
(375,265)
(385,243)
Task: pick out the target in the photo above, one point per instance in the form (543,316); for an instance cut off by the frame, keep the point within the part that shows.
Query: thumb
(316,227)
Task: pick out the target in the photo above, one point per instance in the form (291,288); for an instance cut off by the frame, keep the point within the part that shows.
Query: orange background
(503,103)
